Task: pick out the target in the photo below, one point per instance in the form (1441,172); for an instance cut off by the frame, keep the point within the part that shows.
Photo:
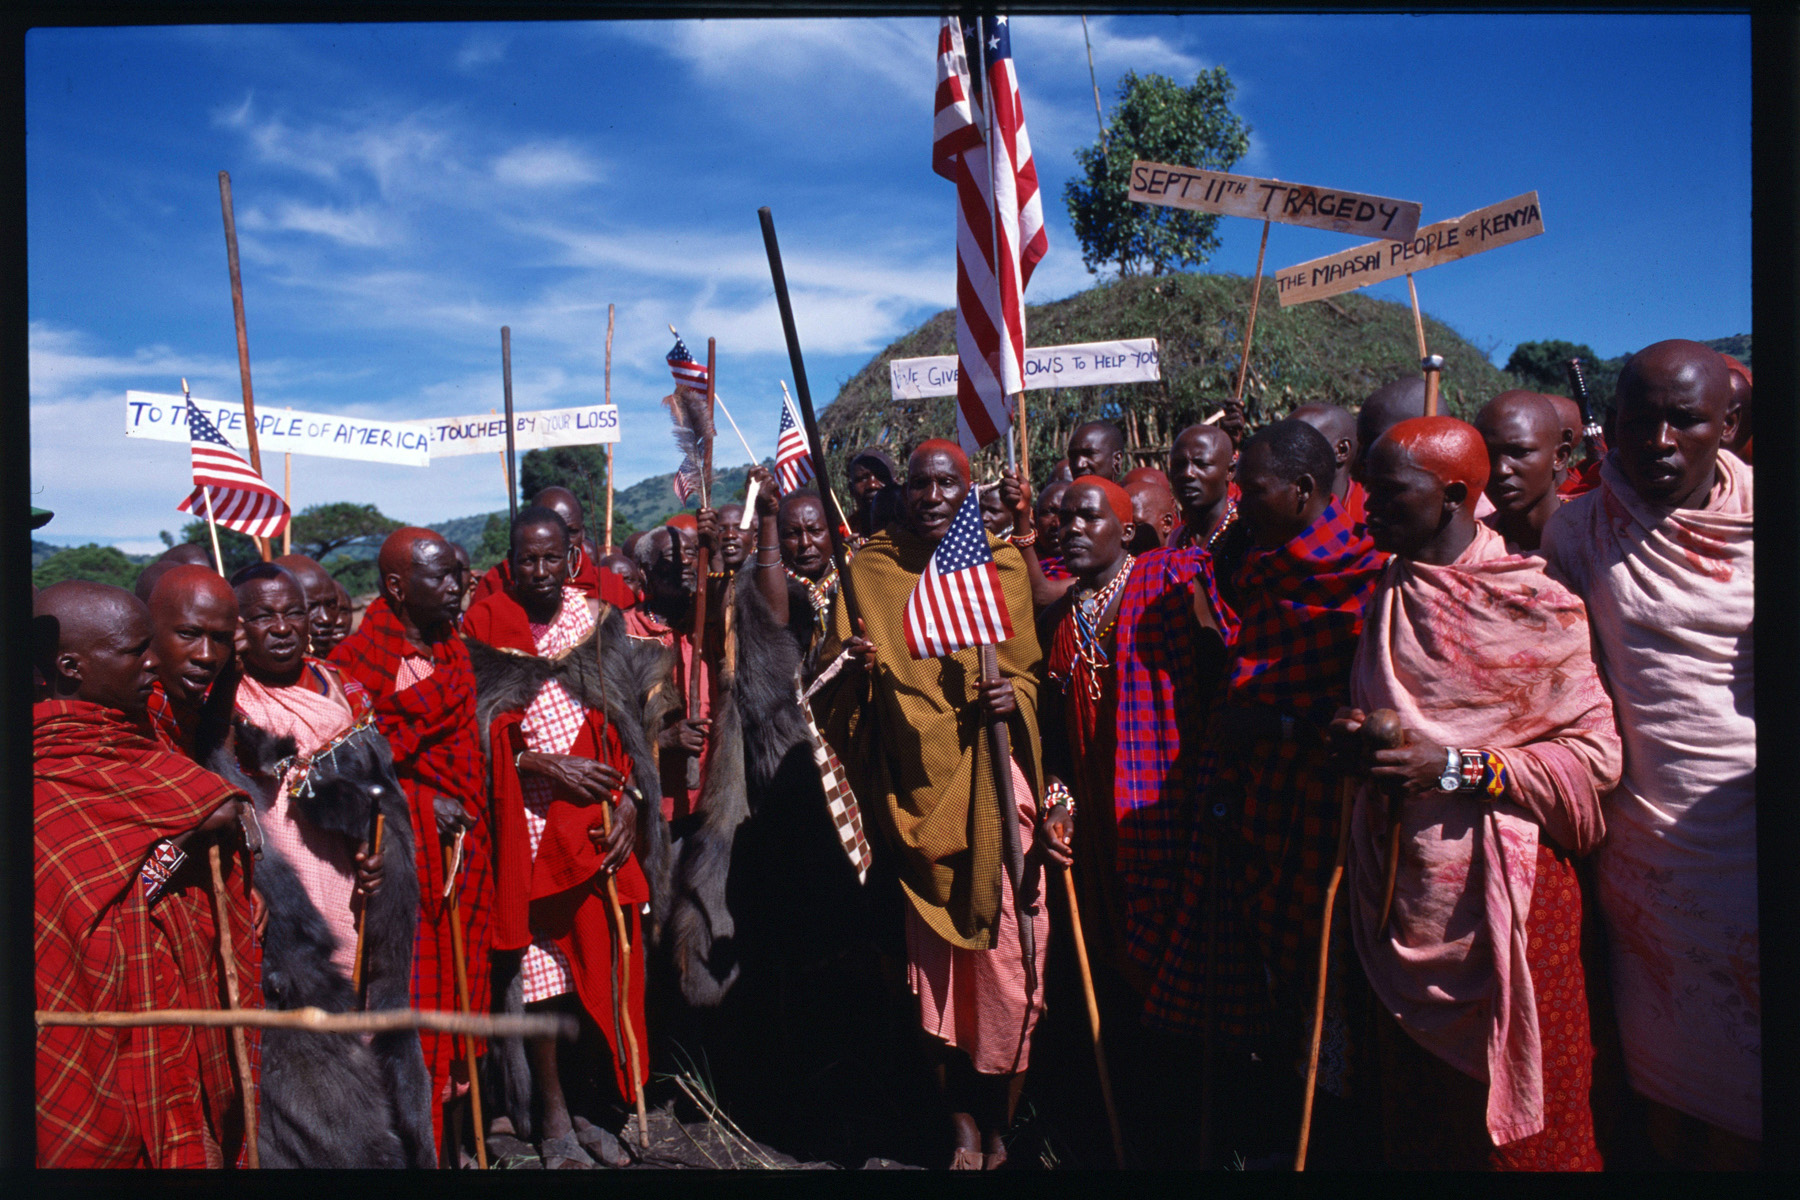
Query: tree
(581,469)
(496,543)
(1544,367)
(92,562)
(1158,120)
(239,550)
(324,528)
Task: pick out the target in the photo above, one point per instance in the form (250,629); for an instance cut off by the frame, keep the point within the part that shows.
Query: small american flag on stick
(793,461)
(957,602)
(240,498)
(687,372)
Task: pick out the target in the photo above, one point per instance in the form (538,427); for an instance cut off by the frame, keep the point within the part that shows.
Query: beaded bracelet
(1022,540)
(1058,793)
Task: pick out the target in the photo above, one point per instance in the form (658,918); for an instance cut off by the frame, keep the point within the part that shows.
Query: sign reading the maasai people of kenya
(281,431)
(1496,225)
(1273,200)
(588,425)
(1131,361)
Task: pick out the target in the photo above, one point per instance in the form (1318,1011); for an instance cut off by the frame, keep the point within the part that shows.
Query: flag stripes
(240,498)
(957,602)
(793,461)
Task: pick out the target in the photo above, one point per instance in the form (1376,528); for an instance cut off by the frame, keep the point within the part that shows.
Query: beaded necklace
(1090,635)
(818,592)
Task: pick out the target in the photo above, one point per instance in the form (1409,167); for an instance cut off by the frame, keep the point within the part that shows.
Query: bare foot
(968,1156)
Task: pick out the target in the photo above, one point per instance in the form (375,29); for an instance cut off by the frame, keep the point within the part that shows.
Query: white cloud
(824,56)
(481,49)
(351,227)
(544,164)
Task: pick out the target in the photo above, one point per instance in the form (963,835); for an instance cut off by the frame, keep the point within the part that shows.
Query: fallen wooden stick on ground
(317,1020)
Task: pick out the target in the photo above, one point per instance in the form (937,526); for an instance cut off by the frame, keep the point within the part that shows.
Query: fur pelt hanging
(332,1100)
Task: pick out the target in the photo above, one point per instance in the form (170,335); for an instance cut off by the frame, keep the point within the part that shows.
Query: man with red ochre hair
(1482,1026)
(406,654)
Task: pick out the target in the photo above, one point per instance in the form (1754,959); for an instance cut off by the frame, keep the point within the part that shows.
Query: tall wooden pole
(460,961)
(610,445)
(1418,320)
(1093,1009)
(1237,393)
(1012,848)
(1434,369)
(287,498)
(243,335)
(240,1047)
(512,461)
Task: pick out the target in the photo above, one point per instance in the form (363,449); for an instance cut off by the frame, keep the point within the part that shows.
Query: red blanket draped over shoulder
(430,724)
(560,893)
(103,795)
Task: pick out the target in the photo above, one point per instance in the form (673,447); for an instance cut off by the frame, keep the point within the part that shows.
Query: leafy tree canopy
(98,564)
(239,550)
(1158,120)
(1544,367)
(324,528)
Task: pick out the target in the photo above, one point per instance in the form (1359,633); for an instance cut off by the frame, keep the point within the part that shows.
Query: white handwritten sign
(1272,200)
(585,426)
(281,431)
(1496,225)
(1130,361)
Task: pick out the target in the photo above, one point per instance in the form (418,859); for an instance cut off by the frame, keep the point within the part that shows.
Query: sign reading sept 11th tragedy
(1273,200)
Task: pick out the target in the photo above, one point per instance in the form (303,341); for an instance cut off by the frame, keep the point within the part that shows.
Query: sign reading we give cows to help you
(281,431)
(1273,200)
(1131,361)
(1496,225)
(586,425)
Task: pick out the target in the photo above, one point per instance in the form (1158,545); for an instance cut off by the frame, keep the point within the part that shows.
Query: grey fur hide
(331,1100)
(756,725)
(636,698)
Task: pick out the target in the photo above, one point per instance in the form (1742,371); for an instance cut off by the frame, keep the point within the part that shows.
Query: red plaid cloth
(104,794)
(431,727)
(1270,803)
(1053,568)
(164,723)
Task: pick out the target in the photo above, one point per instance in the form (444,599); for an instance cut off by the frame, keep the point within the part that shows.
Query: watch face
(1450,781)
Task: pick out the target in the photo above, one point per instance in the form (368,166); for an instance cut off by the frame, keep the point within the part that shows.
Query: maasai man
(793,567)
(1576,477)
(1484,1041)
(1044,518)
(1528,451)
(996,518)
(1200,472)
(355,1104)
(321,592)
(1740,442)
(583,572)
(195,618)
(667,555)
(870,472)
(1154,512)
(407,656)
(1270,797)
(1663,554)
(1339,428)
(1097,448)
(735,545)
(627,570)
(346,618)
(1387,406)
(124,918)
(913,734)
(1049,580)
(557,762)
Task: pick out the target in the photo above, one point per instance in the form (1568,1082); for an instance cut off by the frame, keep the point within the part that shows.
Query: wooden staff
(1418,321)
(1382,729)
(317,1020)
(1000,745)
(804,394)
(362,918)
(1434,367)
(1237,393)
(287,498)
(1093,1008)
(1393,847)
(243,335)
(609,445)
(240,1046)
(702,559)
(459,957)
(512,462)
(622,998)
(1024,448)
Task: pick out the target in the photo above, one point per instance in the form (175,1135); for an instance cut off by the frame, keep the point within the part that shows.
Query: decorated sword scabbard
(1591,432)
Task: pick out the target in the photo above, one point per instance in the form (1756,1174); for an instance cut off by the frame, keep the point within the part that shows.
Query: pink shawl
(1672,595)
(1486,653)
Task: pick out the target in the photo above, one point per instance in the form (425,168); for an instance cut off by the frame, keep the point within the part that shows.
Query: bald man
(1154,512)
(1386,407)
(1663,553)
(195,618)
(1200,473)
(1582,474)
(1339,428)
(407,656)
(1528,452)
(1483,1023)
(123,919)
(1097,448)
(321,593)
(1740,442)
(583,571)
(192,553)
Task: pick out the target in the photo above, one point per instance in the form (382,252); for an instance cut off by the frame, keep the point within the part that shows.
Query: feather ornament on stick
(692,417)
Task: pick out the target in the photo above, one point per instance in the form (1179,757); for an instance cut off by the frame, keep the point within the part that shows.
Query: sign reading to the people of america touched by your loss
(1496,225)
(1130,361)
(282,431)
(586,425)
(1273,200)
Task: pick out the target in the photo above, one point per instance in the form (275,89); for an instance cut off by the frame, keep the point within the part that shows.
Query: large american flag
(957,602)
(240,499)
(997,200)
(793,461)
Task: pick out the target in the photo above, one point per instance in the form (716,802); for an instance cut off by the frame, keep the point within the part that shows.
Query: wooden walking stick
(243,337)
(362,917)
(609,445)
(240,1046)
(1000,743)
(1237,393)
(460,959)
(1382,729)
(512,461)
(622,1000)
(1093,1008)
(1434,367)
(1393,845)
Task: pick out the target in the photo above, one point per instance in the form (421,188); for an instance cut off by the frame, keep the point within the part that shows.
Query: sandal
(565,1154)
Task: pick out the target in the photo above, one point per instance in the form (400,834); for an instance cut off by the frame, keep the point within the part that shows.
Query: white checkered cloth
(840,801)
(552,722)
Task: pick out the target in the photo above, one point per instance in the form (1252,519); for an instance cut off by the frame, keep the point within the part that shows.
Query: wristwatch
(1452,778)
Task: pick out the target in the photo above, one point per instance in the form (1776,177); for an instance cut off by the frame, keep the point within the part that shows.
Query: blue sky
(404,190)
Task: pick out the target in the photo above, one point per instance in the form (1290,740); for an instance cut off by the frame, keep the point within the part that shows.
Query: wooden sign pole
(512,462)
(243,335)
(609,445)
(287,498)
(505,475)
(1434,367)
(1418,320)
(1237,394)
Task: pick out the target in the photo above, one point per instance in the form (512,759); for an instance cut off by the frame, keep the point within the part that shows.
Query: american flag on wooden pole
(793,461)
(997,206)
(239,498)
(957,602)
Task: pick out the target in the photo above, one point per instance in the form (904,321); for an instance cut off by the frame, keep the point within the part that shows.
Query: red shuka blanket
(103,795)
(498,581)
